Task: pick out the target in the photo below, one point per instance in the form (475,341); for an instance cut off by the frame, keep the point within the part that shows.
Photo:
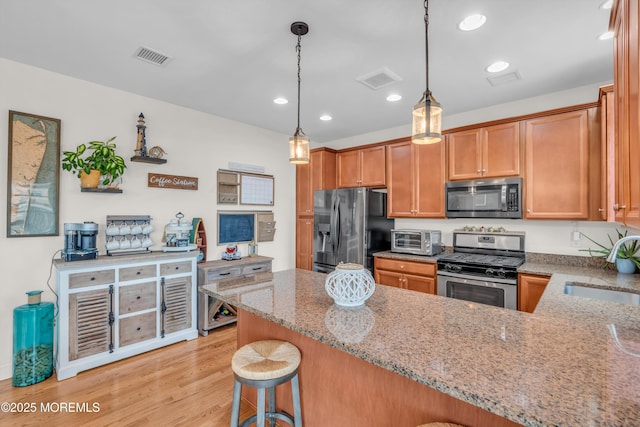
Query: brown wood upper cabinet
(415,180)
(362,168)
(318,174)
(557,166)
(487,152)
(626,79)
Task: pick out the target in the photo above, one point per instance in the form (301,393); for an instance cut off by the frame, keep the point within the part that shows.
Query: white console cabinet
(119,306)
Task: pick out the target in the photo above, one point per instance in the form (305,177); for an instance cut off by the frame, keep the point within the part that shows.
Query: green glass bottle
(32,341)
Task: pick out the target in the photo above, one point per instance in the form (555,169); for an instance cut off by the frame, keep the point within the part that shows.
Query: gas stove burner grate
(482,260)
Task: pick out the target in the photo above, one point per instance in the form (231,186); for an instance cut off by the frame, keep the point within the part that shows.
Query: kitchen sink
(623,297)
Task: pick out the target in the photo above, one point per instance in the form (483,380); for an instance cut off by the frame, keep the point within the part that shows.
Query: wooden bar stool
(264,365)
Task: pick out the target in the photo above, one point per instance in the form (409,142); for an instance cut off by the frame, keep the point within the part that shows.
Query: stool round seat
(265,360)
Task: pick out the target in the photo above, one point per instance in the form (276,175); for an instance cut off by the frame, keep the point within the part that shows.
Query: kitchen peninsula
(407,358)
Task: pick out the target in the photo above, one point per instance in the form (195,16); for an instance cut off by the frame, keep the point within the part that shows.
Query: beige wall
(197,144)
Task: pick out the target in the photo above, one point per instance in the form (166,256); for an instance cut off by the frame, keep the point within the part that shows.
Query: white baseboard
(5,371)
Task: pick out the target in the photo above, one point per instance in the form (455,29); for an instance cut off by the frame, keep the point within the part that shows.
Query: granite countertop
(558,366)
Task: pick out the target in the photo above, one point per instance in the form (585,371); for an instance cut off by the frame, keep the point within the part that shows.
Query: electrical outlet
(575,239)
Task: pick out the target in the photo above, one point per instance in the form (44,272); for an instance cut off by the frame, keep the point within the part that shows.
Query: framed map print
(33,175)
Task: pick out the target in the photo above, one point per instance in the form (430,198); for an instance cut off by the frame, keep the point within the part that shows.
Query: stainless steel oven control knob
(501,272)
(490,272)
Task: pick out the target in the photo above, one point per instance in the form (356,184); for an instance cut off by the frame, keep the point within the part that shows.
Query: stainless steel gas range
(483,267)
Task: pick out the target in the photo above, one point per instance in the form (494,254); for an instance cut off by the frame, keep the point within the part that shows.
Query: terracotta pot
(90,181)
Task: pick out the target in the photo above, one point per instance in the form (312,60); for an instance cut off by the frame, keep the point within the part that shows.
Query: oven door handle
(478,278)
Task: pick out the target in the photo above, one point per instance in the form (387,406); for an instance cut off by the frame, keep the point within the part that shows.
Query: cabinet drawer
(421,268)
(256,268)
(137,297)
(223,273)
(140,272)
(137,328)
(175,268)
(91,278)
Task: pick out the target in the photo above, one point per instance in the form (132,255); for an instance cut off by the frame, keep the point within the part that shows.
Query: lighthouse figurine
(141,145)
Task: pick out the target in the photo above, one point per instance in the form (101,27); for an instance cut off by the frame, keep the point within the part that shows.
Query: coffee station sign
(172,181)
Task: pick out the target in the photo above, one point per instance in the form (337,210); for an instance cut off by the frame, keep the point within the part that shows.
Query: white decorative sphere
(350,285)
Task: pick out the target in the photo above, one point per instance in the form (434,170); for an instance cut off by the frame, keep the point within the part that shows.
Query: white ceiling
(231,58)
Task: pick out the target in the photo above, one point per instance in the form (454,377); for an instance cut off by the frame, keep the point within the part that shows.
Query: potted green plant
(100,159)
(626,259)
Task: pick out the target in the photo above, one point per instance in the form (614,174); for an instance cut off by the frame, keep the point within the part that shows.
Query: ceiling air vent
(504,78)
(379,78)
(151,56)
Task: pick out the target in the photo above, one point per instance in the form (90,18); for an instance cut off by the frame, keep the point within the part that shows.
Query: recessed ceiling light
(281,101)
(394,97)
(607,4)
(498,66)
(325,117)
(606,36)
(472,22)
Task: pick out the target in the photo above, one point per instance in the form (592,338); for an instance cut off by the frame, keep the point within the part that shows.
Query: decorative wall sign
(33,175)
(172,181)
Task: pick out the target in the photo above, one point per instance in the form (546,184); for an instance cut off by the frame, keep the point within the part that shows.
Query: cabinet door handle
(138,297)
(256,268)
(600,210)
(618,207)
(225,274)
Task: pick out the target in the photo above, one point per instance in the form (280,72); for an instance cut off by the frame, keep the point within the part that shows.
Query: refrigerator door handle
(338,229)
(334,228)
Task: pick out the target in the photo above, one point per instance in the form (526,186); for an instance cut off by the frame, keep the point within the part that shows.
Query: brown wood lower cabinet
(530,289)
(339,389)
(412,275)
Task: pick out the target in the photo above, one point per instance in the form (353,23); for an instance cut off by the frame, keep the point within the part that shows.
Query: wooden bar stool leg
(235,408)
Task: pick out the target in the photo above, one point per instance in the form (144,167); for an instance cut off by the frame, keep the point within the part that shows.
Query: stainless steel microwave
(417,242)
(486,198)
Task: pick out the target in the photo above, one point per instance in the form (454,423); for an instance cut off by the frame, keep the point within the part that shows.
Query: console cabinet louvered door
(116,307)
(90,330)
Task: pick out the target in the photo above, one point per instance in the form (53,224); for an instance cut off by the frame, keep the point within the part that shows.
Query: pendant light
(427,112)
(299,142)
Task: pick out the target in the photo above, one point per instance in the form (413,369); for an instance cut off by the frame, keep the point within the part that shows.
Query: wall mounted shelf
(101,190)
(147,159)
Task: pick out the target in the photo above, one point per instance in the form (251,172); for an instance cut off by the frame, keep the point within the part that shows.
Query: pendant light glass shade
(426,128)
(299,148)
(427,113)
(299,142)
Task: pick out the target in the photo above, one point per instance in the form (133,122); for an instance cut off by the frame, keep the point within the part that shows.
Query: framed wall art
(33,175)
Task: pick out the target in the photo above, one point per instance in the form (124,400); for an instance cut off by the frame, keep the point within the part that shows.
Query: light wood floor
(185,384)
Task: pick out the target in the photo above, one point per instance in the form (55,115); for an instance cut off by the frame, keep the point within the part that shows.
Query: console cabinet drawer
(170,268)
(137,297)
(257,268)
(140,272)
(91,278)
(137,328)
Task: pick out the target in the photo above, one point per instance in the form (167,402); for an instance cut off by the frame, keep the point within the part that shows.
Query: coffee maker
(80,241)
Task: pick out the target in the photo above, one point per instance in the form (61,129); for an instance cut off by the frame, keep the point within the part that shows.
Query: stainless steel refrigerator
(350,224)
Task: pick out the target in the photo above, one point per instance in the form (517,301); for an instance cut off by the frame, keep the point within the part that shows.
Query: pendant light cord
(427,92)
(298,49)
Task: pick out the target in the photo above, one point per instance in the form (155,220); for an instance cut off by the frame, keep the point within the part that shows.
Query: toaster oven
(416,242)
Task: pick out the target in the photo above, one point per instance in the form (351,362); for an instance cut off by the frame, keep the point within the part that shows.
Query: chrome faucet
(614,251)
